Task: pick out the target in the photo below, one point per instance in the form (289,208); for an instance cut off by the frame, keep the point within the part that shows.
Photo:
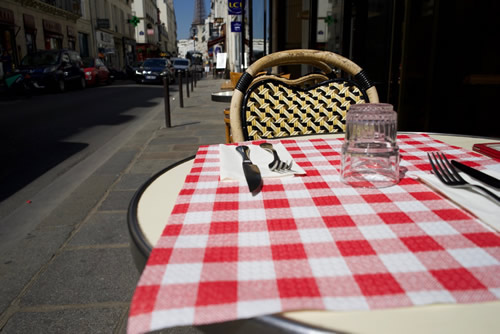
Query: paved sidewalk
(77,275)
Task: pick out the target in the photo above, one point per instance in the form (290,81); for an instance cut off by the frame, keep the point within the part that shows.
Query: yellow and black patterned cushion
(273,109)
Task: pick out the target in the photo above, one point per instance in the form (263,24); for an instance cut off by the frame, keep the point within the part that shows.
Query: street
(44,137)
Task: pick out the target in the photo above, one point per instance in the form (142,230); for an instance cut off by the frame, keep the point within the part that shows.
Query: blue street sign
(235,7)
(235,26)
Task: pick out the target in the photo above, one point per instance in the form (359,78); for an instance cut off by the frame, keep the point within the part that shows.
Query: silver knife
(478,175)
(252,172)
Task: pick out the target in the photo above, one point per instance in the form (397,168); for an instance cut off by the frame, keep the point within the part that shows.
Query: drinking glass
(370,154)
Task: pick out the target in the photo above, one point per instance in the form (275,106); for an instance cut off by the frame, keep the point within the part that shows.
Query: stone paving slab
(117,200)
(85,276)
(22,262)
(131,181)
(79,320)
(102,229)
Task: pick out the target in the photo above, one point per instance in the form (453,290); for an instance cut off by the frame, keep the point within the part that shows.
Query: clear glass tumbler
(370,154)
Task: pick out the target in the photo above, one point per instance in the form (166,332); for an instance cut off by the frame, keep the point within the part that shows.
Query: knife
(252,172)
(478,175)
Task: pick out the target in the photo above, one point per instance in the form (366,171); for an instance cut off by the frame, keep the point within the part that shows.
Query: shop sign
(235,7)
(52,27)
(102,23)
(219,20)
(235,26)
(6,16)
(105,42)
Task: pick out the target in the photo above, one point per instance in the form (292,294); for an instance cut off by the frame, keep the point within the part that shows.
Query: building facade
(224,32)
(86,34)
(114,35)
(26,26)
(146,33)
(167,28)
(171,26)
(91,27)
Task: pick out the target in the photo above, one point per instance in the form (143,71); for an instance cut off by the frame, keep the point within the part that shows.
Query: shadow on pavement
(34,132)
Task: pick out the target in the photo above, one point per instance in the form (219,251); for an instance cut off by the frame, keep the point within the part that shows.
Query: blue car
(153,70)
(54,69)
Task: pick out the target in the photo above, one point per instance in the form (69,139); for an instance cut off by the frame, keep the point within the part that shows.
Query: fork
(276,165)
(447,174)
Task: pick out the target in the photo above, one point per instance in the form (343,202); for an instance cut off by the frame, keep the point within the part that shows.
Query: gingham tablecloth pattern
(314,243)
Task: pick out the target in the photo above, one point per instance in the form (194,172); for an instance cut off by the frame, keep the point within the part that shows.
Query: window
(30,42)
(83,42)
(122,22)
(83,10)
(106,9)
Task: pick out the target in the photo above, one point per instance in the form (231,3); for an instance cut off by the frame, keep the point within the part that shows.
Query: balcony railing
(69,9)
(72,6)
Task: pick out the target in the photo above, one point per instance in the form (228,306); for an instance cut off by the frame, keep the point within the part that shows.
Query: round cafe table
(224,96)
(152,204)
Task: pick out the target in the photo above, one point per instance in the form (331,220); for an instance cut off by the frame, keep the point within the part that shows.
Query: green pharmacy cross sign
(134,20)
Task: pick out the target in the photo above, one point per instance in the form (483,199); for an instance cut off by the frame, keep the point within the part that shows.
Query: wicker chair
(267,106)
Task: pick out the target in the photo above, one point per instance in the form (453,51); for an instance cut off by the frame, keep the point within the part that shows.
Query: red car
(96,72)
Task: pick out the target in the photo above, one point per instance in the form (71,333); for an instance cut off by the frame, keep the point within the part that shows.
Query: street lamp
(194,32)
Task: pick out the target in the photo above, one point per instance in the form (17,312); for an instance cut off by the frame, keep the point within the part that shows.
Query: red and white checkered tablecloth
(313,242)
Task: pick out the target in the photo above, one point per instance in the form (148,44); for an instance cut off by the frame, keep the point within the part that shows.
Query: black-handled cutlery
(251,171)
(478,175)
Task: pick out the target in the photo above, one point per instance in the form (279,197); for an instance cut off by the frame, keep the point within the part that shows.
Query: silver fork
(276,165)
(447,174)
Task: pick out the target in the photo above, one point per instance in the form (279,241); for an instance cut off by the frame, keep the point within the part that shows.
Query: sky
(184,11)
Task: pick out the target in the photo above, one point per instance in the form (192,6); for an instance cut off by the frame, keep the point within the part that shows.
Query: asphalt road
(46,137)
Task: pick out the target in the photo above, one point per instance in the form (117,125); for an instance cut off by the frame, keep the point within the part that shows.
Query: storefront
(83,42)
(30,32)
(105,47)
(147,50)
(53,35)
(8,49)
(71,38)
(119,57)
(129,49)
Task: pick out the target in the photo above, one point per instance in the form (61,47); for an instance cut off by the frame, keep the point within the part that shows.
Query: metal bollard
(195,77)
(181,98)
(192,80)
(167,103)
(187,83)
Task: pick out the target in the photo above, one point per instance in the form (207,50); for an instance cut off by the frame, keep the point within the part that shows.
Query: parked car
(154,70)
(181,65)
(55,69)
(131,68)
(116,73)
(96,72)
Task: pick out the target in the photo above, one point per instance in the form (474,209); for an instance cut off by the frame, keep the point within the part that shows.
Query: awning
(7,16)
(216,41)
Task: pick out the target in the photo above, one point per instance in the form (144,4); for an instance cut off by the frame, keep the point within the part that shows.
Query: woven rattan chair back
(270,107)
